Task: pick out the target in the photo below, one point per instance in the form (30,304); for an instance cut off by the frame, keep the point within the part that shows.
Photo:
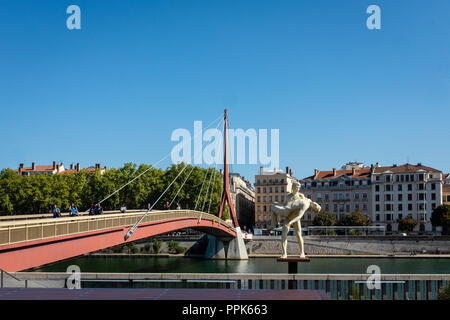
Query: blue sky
(114,91)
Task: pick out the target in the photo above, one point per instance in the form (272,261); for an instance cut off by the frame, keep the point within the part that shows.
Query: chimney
(261,170)
(71,166)
(54,165)
(353,171)
(287,170)
(290,172)
(21,166)
(78,167)
(33,166)
(57,168)
(316,172)
(97,166)
(334,172)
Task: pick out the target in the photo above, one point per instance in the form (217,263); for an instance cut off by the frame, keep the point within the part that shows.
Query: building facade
(339,192)
(57,168)
(270,186)
(243,197)
(405,190)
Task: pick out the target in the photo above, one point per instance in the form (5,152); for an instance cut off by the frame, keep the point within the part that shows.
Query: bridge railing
(12,232)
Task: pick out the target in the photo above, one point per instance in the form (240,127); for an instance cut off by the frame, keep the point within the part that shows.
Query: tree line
(38,193)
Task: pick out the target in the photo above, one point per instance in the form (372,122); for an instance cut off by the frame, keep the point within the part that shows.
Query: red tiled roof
(446,188)
(404,168)
(328,175)
(48,168)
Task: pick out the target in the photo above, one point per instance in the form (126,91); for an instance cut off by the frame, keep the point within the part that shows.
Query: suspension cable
(152,166)
(135,226)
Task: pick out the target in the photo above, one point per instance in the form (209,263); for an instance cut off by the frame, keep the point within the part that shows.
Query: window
(319,186)
(282,189)
(364,195)
(400,197)
(282,198)
(347,208)
(388,217)
(409,206)
(326,185)
(356,196)
(388,207)
(409,187)
(377,178)
(319,197)
(327,207)
(409,196)
(387,197)
(265,208)
(335,196)
(400,207)
(356,207)
(347,196)
(377,188)
(276,198)
(399,187)
(377,217)
(388,187)
(264,190)
(276,189)
(421,196)
(335,207)
(421,186)
(433,196)
(341,185)
(377,197)
(433,186)
(270,190)
(377,207)
(259,199)
(327,196)
(388,179)
(341,196)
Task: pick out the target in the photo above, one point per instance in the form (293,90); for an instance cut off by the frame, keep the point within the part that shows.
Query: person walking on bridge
(123,208)
(98,209)
(166,206)
(56,212)
(73,210)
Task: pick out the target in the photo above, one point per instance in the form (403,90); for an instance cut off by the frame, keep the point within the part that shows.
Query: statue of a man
(294,209)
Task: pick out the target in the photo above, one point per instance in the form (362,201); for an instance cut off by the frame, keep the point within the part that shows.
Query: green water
(253,265)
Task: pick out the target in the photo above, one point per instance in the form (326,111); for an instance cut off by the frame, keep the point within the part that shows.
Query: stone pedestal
(293,267)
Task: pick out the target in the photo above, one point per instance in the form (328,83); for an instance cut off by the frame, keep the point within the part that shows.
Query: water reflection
(253,265)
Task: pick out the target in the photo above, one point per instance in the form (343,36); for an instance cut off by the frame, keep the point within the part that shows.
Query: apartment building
(243,197)
(56,168)
(339,192)
(405,190)
(270,186)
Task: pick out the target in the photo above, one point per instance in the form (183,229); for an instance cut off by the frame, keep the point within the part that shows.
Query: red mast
(226,192)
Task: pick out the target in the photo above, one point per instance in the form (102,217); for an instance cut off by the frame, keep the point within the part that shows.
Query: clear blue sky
(114,91)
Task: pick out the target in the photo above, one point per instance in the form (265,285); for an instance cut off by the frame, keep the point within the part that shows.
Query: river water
(253,265)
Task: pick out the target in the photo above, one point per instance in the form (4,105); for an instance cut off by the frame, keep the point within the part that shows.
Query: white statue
(294,209)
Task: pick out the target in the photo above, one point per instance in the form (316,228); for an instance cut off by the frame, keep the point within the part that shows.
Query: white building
(405,190)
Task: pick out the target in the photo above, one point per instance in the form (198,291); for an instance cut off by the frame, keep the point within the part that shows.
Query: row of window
(348,208)
(270,189)
(264,181)
(405,177)
(419,186)
(338,196)
(269,198)
(394,217)
(419,196)
(326,185)
(419,207)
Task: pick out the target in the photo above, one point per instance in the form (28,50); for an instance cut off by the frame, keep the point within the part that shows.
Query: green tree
(324,219)
(440,217)
(157,246)
(407,224)
(355,219)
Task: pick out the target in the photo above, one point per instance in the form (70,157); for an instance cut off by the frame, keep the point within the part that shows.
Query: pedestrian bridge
(28,243)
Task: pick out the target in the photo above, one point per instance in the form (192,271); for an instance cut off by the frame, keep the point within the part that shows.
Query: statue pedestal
(293,267)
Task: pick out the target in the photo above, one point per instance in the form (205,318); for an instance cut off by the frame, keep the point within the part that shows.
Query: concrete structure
(339,192)
(405,190)
(270,186)
(241,285)
(30,243)
(243,197)
(446,194)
